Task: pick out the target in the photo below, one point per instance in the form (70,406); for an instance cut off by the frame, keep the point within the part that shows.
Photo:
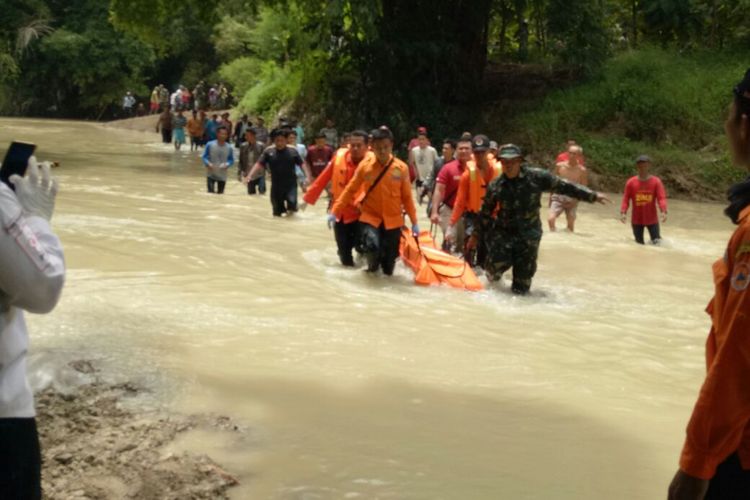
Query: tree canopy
(366,62)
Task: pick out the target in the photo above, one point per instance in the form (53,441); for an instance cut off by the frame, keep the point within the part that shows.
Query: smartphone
(16,160)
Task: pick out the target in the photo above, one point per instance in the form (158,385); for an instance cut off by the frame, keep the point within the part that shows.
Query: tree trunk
(634,11)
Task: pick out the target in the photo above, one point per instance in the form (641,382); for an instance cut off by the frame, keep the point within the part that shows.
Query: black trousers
(380,246)
(653,232)
(166,135)
(258,185)
(731,481)
(347,237)
(219,185)
(20,460)
(283,200)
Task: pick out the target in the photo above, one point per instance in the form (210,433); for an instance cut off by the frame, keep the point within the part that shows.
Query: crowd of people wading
(369,189)
(486,200)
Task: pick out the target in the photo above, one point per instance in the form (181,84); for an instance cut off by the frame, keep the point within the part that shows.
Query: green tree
(81,68)
(579,33)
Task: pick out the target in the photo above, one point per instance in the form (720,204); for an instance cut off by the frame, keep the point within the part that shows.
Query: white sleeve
(32,265)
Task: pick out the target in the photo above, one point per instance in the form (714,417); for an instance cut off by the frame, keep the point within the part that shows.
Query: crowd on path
(203,97)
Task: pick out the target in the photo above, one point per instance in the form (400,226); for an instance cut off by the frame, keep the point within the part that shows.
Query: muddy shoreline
(97,446)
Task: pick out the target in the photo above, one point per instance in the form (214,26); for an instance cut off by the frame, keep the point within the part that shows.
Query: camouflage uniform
(509,224)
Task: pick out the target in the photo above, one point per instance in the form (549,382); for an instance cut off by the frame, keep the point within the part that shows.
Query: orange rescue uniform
(339,171)
(471,189)
(720,424)
(386,201)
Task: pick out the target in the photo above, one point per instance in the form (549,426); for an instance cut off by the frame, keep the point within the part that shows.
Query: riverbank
(97,446)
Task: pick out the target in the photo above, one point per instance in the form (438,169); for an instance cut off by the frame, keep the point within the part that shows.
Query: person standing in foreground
(128,102)
(444,197)
(164,123)
(509,222)
(281,160)
(471,191)
(250,152)
(178,129)
(424,157)
(218,157)
(318,156)
(195,129)
(428,188)
(715,459)
(387,193)
(573,170)
(339,172)
(32,273)
(644,191)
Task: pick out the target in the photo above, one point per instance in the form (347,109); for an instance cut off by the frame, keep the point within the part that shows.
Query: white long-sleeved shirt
(32,273)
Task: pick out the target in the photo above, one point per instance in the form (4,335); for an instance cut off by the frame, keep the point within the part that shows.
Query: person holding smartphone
(32,272)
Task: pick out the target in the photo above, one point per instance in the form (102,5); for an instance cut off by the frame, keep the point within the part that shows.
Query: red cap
(421,130)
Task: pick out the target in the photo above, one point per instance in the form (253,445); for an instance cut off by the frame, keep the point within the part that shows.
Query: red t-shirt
(318,157)
(644,196)
(450,176)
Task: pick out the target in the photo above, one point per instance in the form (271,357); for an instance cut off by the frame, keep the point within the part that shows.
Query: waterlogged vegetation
(641,75)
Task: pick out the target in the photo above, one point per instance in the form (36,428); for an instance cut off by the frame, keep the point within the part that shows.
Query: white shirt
(425,160)
(32,273)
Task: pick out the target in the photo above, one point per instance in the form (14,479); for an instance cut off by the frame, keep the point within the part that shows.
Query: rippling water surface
(355,386)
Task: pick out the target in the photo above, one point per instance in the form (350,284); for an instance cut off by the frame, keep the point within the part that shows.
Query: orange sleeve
(351,189)
(460,204)
(406,198)
(316,188)
(722,411)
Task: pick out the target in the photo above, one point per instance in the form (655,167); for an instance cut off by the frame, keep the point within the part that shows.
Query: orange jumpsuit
(471,190)
(385,204)
(720,424)
(339,171)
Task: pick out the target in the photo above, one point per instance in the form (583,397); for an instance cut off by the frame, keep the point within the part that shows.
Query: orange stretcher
(432,266)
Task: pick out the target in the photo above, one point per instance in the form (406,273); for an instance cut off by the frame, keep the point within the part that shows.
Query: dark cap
(493,145)
(382,132)
(509,152)
(643,159)
(480,143)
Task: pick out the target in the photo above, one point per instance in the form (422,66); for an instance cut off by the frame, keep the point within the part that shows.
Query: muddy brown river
(353,386)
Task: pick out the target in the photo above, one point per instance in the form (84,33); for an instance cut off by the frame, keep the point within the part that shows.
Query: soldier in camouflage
(509,223)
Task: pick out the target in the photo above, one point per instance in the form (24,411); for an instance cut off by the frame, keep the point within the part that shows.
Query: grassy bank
(651,101)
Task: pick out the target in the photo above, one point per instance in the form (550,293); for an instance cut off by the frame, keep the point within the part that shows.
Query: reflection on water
(357,386)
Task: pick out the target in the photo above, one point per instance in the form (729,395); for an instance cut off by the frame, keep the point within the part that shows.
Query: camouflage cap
(509,151)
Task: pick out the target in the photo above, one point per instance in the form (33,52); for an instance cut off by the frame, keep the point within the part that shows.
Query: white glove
(37,191)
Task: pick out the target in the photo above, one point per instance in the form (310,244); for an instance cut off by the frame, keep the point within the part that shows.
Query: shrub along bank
(670,106)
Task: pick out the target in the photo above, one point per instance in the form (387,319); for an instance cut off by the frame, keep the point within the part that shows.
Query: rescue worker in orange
(471,189)
(383,188)
(715,459)
(339,171)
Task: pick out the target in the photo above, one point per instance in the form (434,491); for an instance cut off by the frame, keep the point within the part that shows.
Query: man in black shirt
(280,160)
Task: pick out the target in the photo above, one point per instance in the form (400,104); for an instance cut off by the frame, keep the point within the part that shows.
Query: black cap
(643,159)
(480,143)
(382,132)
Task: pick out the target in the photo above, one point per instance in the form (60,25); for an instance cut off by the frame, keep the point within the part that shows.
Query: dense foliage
(364,62)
